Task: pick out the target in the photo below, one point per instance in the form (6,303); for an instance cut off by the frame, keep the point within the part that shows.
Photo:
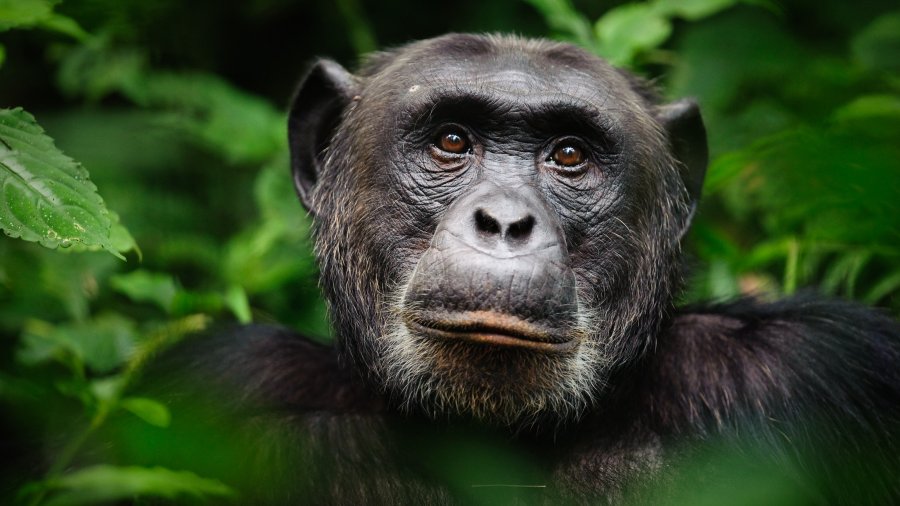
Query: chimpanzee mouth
(489,327)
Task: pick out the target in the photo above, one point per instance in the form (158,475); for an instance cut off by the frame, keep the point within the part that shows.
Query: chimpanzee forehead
(510,70)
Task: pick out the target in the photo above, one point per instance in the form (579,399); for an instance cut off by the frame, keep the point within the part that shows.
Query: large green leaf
(45,196)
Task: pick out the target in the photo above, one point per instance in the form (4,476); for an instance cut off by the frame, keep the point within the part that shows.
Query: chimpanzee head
(497,220)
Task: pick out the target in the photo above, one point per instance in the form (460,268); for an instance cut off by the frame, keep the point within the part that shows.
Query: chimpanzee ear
(687,137)
(315,111)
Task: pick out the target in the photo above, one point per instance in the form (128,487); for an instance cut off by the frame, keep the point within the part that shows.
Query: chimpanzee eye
(568,155)
(452,140)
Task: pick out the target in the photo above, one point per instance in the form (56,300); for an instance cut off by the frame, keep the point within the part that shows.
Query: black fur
(804,389)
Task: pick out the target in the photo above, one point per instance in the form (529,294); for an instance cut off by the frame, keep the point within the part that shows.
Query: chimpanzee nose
(502,222)
(505,223)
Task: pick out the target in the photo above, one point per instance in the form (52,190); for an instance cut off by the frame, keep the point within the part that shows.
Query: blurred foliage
(176,112)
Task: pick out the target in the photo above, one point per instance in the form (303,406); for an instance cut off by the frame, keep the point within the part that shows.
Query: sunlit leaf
(149,410)
(46,196)
(868,107)
(108,388)
(106,483)
(888,284)
(21,13)
(627,30)
(236,300)
(562,16)
(64,25)
(844,272)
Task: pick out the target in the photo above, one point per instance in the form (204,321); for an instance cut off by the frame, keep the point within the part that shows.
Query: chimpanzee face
(497,220)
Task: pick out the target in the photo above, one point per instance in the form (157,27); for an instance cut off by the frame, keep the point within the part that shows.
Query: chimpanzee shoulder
(800,359)
(268,367)
(805,384)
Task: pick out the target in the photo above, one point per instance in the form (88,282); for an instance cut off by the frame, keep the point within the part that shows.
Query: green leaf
(878,45)
(844,271)
(46,196)
(121,238)
(24,13)
(101,344)
(64,25)
(692,10)
(145,286)
(630,29)
(148,410)
(889,284)
(562,16)
(95,69)
(104,483)
(2,54)
(867,107)
(107,389)
(236,300)
(41,342)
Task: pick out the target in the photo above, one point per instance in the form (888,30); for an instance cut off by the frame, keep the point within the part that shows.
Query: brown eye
(568,155)
(452,141)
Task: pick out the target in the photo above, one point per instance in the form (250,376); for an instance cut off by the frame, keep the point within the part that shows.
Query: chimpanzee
(498,223)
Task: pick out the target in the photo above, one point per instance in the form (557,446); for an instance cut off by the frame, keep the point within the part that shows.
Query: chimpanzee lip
(488,327)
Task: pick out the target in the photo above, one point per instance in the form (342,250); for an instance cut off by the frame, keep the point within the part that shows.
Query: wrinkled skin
(498,225)
(536,325)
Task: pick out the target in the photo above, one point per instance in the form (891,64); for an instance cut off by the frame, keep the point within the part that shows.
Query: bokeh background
(176,109)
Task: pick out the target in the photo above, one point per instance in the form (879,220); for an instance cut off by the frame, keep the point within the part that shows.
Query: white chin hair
(423,373)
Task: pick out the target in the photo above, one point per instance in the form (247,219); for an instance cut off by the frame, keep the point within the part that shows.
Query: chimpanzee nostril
(501,222)
(486,223)
(521,229)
